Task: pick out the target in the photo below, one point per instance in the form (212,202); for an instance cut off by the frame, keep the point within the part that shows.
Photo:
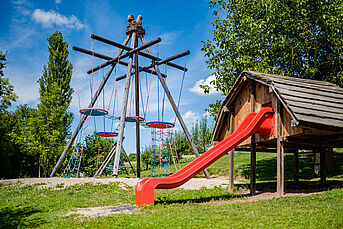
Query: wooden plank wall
(242,106)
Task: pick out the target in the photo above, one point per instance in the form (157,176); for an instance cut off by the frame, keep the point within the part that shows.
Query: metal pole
(123,114)
(138,144)
(83,119)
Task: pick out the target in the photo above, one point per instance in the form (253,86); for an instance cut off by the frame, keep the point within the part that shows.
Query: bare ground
(65,182)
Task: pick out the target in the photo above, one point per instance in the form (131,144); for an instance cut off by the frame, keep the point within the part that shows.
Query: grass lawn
(32,206)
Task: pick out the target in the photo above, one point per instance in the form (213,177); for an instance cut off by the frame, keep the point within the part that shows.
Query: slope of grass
(27,207)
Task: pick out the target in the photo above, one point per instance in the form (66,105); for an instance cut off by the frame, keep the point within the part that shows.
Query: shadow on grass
(19,217)
(227,196)
(266,169)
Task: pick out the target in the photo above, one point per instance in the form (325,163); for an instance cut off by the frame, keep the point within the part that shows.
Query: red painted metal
(261,123)
(91,111)
(160,125)
(107,134)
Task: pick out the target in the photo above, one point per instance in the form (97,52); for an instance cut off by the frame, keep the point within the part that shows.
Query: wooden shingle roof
(307,101)
(310,103)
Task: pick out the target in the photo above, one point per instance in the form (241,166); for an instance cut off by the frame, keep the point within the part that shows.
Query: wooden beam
(138,144)
(147,55)
(231,160)
(106,161)
(83,119)
(253,143)
(323,167)
(128,159)
(129,53)
(280,176)
(99,55)
(123,110)
(146,68)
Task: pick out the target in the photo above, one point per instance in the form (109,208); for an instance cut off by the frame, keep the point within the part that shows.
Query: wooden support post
(280,176)
(123,114)
(296,166)
(253,166)
(138,144)
(83,119)
(231,159)
(128,159)
(322,167)
(253,144)
(176,110)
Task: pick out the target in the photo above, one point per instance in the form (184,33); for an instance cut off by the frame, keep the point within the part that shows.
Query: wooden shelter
(309,116)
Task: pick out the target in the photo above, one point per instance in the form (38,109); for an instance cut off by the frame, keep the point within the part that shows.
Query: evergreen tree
(54,119)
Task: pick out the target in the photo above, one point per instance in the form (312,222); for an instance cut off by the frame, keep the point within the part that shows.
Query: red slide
(261,123)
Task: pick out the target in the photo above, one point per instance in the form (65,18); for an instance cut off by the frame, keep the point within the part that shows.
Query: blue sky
(182,25)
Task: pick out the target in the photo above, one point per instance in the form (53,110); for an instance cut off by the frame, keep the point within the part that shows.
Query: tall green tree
(55,97)
(300,38)
(7,96)
(23,135)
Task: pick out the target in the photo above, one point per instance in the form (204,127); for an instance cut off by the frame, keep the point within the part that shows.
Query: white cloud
(189,118)
(168,38)
(51,17)
(196,89)
(21,7)
(58,1)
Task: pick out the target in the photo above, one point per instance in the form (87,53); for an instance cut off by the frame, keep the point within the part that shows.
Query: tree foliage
(95,150)
(7,150)
(201,134)
(301,38)
(7,94)
(54,119)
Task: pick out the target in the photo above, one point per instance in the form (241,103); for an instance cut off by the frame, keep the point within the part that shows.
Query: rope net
(163,152)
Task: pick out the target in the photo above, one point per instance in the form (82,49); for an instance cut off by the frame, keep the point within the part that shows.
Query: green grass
(33,206)
(30,206)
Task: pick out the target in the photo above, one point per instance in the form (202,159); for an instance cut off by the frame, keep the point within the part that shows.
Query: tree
(7,94)
(201,134)
(23,136)
(95,150)
(146,157)
(300,38)
(55,96)
(182,145)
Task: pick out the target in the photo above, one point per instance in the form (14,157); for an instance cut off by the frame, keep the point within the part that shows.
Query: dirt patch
(59,183)
(264,196)
(104,210)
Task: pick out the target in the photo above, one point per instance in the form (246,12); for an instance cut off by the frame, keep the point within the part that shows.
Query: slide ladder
(261,123)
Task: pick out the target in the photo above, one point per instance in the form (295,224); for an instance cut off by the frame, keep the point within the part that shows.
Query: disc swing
(163,140)
(130,117)
(104,112)
(73,166)
(134,32)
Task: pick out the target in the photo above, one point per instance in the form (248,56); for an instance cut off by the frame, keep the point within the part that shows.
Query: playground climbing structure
(134,32)
(164,152)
